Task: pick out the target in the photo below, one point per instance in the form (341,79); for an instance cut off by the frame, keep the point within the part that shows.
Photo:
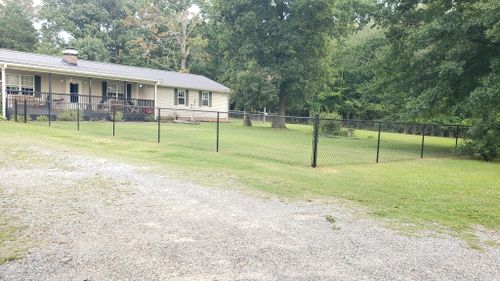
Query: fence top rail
(394,123)
(267,114)
(347,120)
(321,119)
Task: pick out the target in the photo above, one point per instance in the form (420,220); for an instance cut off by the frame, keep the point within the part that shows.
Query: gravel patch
(88,218)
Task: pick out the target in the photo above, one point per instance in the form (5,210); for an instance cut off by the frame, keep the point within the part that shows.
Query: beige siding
(166,99)
(147,92)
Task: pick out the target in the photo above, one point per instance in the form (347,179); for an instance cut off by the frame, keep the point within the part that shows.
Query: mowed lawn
(291,146)
(431,192)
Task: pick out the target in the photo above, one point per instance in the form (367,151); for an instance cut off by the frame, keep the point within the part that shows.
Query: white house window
(181,97)
(20,84)
(115,90)
(205,99)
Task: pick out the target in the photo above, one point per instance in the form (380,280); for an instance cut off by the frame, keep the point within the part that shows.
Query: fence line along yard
(314,141)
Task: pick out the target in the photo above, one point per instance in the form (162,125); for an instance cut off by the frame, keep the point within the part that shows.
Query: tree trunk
(247,122)
(117,56)
(279,121)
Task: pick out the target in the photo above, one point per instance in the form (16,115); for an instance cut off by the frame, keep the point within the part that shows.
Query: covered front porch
(47,92)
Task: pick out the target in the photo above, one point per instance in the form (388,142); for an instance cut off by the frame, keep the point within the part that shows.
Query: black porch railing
(56,100)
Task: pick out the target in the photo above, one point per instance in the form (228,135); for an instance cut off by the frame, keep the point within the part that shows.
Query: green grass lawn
(290,146)
(451,192)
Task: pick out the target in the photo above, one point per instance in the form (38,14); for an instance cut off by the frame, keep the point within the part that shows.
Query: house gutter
(4,92)
(64,71)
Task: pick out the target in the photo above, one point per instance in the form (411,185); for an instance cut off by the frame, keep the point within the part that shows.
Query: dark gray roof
(165,78)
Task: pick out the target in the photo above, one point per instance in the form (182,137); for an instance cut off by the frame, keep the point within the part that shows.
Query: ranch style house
(50,83)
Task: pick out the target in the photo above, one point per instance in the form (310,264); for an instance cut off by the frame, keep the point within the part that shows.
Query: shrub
(150,118)
(167,118)
(20,118)
(118,116)
(42,118)
(69,115)
(483,139)
(97,116)
(329,125)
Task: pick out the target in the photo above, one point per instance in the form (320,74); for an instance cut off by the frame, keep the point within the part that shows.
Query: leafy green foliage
(432,61)
(42,118)
(91,48)
(484,139)
(16,28)
(93,21)
(69,115)
(330,125)
(288,40)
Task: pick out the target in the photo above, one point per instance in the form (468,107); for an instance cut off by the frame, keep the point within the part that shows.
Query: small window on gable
(181,97)
(205,99)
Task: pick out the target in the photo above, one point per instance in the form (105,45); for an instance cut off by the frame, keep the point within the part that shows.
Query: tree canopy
(16,26)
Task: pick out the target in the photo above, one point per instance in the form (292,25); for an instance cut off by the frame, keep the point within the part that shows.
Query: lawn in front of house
(451,192)
(291,146)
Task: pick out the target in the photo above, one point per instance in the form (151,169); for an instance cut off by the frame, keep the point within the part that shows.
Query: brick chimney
(70,56)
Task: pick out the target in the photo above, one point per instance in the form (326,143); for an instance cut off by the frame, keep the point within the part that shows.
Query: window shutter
(200,99)
(187,98)
(104,90)
(210,99)
(129,91)
(38,85)
(176,97)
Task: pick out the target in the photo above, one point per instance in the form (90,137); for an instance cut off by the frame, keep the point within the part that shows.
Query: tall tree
(442,61)
(78,19)
(16,25)
(290,39)
(167,33)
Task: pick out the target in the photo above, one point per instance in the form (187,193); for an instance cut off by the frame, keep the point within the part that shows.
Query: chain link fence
(299,140)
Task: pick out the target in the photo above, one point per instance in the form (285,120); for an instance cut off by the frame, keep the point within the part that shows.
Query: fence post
(314,163)
(15,110)
(78,116)
(378,141)
(158,117)
(422,128)
(25,111)
(113,109)
(456,139)
(218,128)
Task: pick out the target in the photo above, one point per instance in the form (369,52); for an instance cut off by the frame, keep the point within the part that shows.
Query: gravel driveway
(88,218)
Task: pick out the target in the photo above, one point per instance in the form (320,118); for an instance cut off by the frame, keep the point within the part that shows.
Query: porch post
(4,92)
(125,100)
(89,107)
(156,100)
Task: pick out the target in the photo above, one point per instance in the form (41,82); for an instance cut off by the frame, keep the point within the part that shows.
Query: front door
(73,92)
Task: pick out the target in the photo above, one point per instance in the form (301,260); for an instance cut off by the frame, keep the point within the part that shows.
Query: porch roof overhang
(77,73)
